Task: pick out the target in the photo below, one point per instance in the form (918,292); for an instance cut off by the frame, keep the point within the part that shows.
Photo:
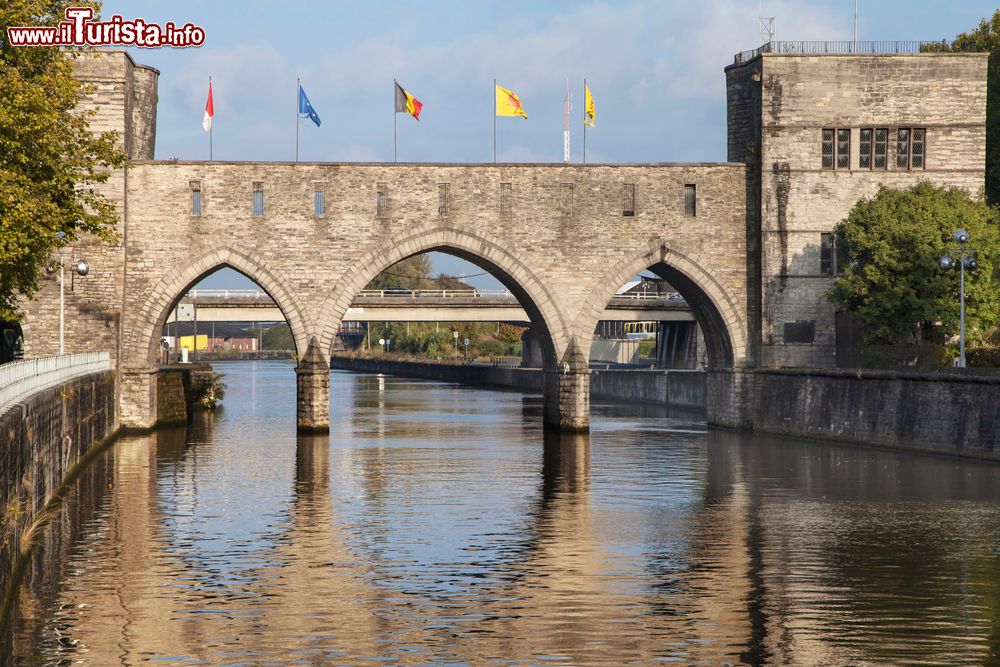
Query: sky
(655,68)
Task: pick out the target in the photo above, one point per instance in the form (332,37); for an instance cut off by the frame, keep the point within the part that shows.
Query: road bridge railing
(395,295)
(21,379)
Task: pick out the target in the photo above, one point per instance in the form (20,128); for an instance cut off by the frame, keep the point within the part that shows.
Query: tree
(49,160)
(893,285)
(985,38)
(411,273)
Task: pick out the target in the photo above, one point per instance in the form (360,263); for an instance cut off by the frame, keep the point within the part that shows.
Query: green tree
(411,273)
(985,38)
(278,337)
(893,285)
(49,160)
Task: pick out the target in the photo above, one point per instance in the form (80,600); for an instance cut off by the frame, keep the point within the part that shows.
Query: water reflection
(441,525)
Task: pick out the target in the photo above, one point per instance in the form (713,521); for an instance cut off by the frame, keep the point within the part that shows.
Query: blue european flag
(306,109)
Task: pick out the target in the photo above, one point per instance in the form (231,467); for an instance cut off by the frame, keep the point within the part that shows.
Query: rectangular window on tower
(506,195)
(881,148)
(381,200)
(843,149)
(902,148)
(690,200)
(828,149)
(865,148)
(258,199)
(444,198)
(628,206)
(917,148)
(911,148)
(195,197)
(318,203)
(832,257)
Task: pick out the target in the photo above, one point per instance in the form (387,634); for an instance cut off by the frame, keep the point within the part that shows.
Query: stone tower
(820,131)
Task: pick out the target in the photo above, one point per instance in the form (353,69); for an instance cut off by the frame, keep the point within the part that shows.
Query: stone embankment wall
(942,413)
(40,440)
(681,389)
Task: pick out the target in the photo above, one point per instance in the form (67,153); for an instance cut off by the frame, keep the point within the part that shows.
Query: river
(439,524)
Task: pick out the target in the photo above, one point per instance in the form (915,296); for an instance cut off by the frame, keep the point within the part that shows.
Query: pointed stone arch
(717,311)
(537,300)
(147,323)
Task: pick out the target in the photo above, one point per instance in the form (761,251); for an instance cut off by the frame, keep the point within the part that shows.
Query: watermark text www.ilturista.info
(79,30)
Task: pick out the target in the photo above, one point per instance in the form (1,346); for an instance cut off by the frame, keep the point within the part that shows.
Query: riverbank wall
(956,414)
(672,388)
(41,438)
(953,414)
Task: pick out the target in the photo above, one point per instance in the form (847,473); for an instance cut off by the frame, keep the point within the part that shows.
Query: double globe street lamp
(964,259)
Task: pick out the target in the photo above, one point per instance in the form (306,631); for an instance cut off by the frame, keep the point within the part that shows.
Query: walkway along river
(438,524)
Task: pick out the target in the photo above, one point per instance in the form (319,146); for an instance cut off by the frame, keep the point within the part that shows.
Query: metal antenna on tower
(766,25)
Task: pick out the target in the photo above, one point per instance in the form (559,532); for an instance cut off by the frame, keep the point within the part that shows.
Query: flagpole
(494,121)
(210,128)
(298,94)
(585,121)
(395,151)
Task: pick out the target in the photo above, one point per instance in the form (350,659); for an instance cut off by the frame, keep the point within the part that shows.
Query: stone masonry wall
(562,246)
(800,96)
(42,438)
(933,412)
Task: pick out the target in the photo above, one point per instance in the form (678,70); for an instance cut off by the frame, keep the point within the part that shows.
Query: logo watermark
(79,30)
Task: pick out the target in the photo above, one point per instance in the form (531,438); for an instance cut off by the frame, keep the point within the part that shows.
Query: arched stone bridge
(561,238)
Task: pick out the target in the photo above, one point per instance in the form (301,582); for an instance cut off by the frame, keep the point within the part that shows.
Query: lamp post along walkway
(80,268)
(964,259)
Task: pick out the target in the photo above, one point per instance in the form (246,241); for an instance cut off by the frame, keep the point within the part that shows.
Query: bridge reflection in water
(439,524)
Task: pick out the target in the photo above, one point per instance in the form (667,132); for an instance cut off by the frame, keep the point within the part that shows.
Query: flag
(406,103)
(508,103)
(209,109)
(306,109)
(588,106)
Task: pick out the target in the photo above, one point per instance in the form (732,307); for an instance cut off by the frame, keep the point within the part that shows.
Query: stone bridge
(558,237)
(747,243)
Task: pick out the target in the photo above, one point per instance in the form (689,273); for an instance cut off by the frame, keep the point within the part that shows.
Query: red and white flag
(209,110)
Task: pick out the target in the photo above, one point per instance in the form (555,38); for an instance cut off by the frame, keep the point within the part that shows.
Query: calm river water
(438,524)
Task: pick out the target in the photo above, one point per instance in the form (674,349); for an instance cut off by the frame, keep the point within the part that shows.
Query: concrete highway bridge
(423,306)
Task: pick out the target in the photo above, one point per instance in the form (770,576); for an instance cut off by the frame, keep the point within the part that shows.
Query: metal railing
(649,296)
(505,361)
(237,295)
(435,294)
(21,379)
(845,47)
(228,294)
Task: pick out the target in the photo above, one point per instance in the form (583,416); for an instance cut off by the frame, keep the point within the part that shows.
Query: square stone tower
(123,97)
(822,125)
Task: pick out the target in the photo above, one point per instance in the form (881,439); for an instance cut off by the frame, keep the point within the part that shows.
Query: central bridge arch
(541,305)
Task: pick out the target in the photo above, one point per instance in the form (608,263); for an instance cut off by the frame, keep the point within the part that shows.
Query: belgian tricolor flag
(406,103)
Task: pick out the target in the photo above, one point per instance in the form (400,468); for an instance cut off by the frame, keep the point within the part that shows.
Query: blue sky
(654,67)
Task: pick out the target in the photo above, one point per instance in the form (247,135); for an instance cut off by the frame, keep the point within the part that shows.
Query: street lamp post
(81,268)
(965,259)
